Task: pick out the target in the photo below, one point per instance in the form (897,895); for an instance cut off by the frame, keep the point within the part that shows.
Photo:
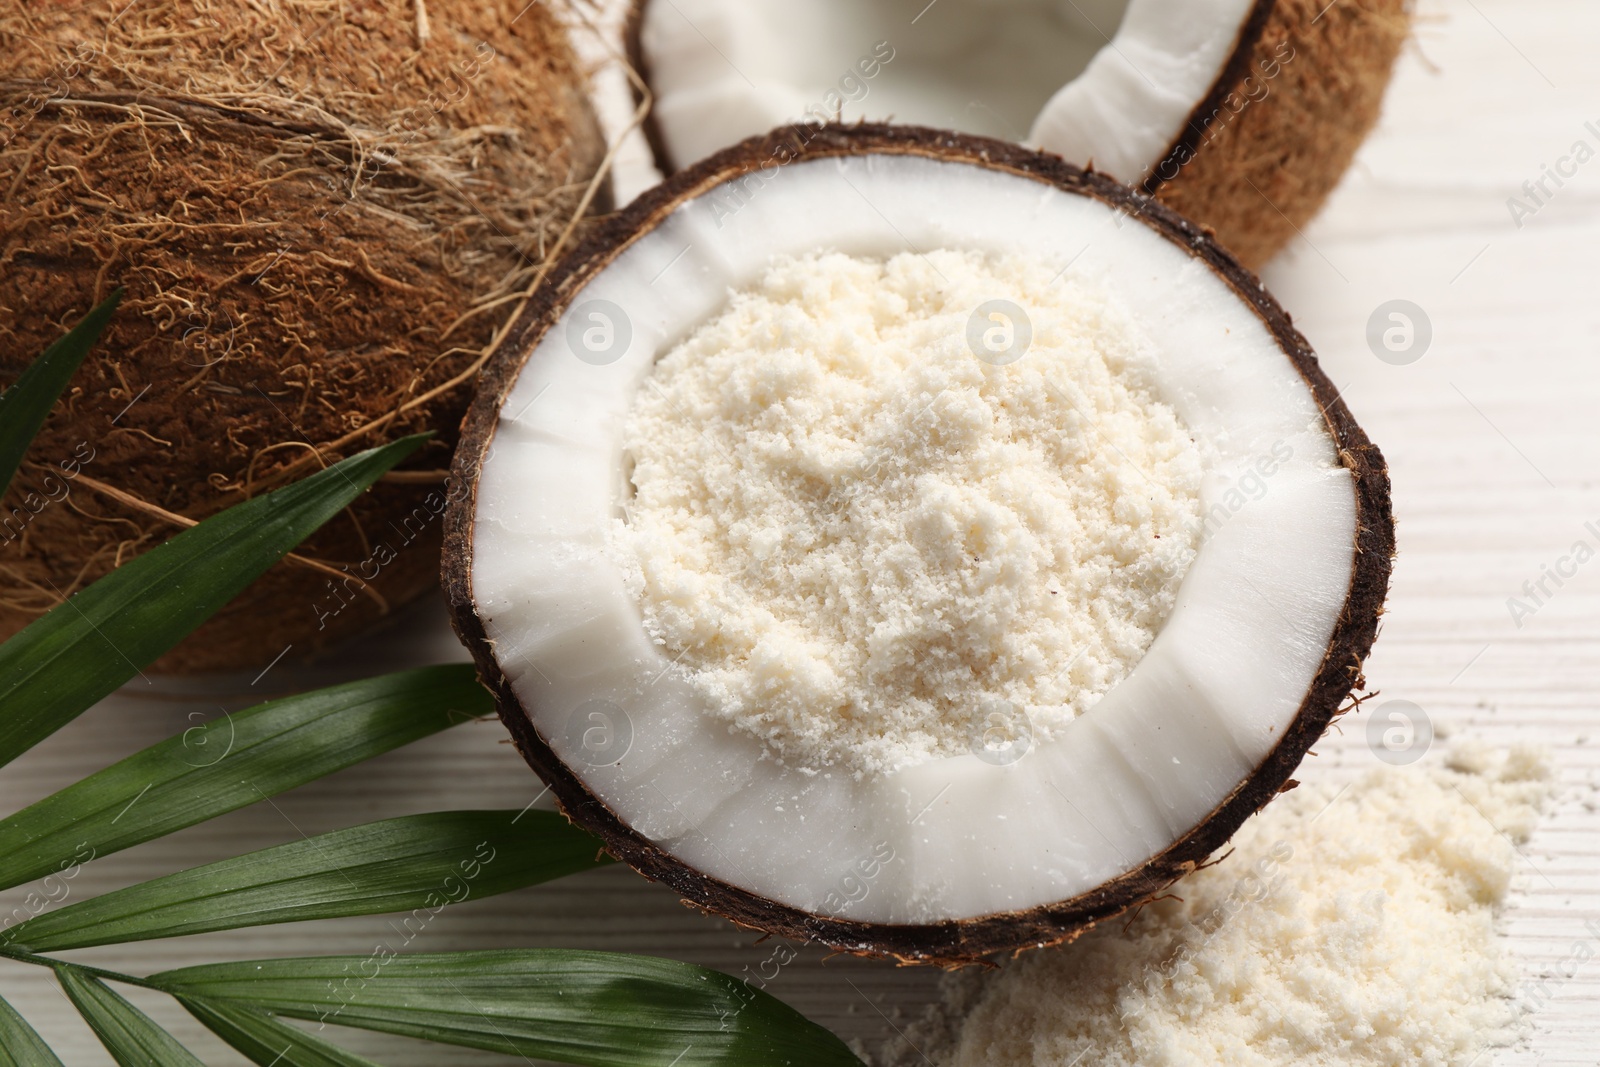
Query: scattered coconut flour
(1353,928)
(857,536)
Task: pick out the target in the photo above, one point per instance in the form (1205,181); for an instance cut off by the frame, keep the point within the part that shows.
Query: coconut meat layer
(963,836)
(1105,81)
(889,511)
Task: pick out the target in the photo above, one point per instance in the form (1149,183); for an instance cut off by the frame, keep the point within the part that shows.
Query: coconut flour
(1349,928)
(873,498)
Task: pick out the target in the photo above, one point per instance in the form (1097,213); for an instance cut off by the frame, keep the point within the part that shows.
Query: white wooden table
(1493,438)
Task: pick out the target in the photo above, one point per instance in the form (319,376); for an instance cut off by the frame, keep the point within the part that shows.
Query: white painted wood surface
(1493,437)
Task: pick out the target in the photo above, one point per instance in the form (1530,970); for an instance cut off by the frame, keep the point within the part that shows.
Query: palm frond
(417,863)
(25,406)
(605,1009)
(598,1009)
(104,635)
(225,763)
(265,1040)
(131,1036)
(20,1046)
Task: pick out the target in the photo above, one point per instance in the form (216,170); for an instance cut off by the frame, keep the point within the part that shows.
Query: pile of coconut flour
(864,510)
(1347,929)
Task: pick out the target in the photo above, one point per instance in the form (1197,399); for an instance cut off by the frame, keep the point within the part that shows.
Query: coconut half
(1242,114)
(949,858)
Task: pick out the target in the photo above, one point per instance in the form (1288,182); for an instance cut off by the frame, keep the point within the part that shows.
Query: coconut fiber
(321,211)
(1244,165)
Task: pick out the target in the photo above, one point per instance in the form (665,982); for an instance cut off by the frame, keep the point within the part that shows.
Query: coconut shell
(1259,156)
(322,211)
(962,941)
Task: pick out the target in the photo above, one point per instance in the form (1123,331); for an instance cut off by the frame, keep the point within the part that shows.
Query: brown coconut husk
(1262,152)
(963,941)
(322,211)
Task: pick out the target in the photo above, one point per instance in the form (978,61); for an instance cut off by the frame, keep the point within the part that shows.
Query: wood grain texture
(1493,445)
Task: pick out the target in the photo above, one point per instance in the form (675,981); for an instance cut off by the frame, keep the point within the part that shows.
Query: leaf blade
(20,1045)
(105,634)
(266,1041)
(596,1009)
(131,1036)
(267,749)
(416,863)
(25,406)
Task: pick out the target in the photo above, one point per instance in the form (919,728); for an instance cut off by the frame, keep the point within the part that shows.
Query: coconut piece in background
(946,856)
(1241,114)
(320,211)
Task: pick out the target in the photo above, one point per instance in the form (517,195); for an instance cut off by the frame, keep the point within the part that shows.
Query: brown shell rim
(959,940)
(1234,72)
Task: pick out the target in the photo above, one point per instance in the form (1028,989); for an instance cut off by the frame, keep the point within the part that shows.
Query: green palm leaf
(127,1033)
(83,649)
(19,1045)
(418,863)
(24,407)
(589,1008)
(585,1008)
(229,762)
(265,1040)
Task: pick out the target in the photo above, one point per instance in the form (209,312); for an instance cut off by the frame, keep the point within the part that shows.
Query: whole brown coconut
(321,210)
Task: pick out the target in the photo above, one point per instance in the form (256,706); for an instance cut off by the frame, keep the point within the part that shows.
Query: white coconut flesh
(1108,81)
(1212,696)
